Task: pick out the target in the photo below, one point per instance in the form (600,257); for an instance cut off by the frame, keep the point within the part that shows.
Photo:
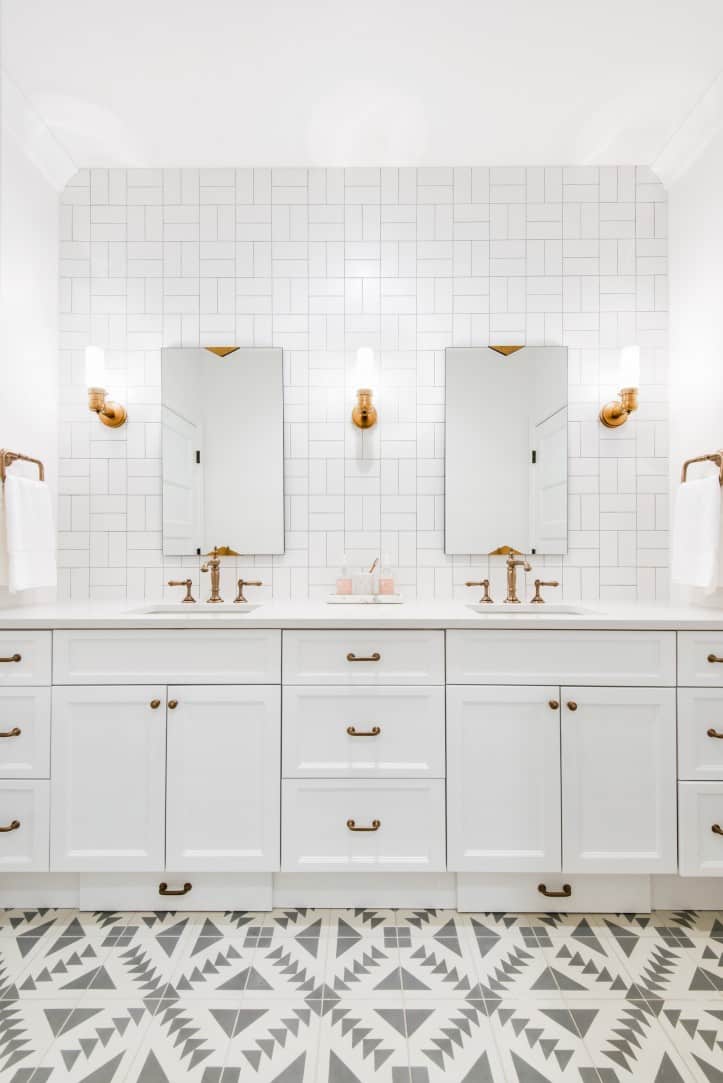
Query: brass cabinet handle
(375,825)
(716,829)
(714,733)
(564,894)
(172,704)
(155,704)
(163,889)
(14,732)
(714,658)
(12,658)
(373,732)
(571,705)
(554,704)
(13,826)
(376,657)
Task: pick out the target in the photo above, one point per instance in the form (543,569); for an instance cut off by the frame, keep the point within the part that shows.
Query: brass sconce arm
(112,414)
(618,411)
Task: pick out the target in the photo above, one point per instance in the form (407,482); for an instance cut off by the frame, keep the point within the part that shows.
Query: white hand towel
(30,534)
(696,533)
(3,540)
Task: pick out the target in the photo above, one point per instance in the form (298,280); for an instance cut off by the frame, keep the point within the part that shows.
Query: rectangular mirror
(506,449)
(223,450)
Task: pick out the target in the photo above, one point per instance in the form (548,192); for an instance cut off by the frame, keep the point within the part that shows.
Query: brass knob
(717,829)
(12,826)
(16,731)
(12,658)
(554,704)
(714,658)
(571,705)
(172,704)
(155,704)
(714,733)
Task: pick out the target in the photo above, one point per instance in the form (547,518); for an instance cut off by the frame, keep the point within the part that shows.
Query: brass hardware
(373,732)
(717,829)
(564,894)
(714,658)
(172,704)
(364,414)
(618,411)
(375,825)
(8,457)
(376,657)
(110,413)
(485,584)
(163,889)
(506,350)
(554,704)
(155,704)
(240,597)
(714,457)
(16,731)
(214,567)
(12,658)
(512,565)
(714,733)
(13,826)
(221,351)
(504,551)
(537,599)
(223,551)
(571,705)
(187,583)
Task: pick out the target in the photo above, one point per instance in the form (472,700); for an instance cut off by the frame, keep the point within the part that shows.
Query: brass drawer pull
(564,894)
(172,704)
(13,826)
(714,658)
(714,733)
(376,657)
(155,704)
(554,704)
(12,658)
(716,829)
(373,732)
(14,732)
(163,889)
(375,825)
(571,705)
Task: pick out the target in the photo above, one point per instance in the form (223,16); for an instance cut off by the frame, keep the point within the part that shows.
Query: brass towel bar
(7,457)
(714,457)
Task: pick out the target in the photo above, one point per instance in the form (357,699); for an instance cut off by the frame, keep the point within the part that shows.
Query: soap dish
(364,599)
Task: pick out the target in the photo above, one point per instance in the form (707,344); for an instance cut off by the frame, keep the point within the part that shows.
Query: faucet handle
(485,584)
(187,583)
(538,599)
(240,597)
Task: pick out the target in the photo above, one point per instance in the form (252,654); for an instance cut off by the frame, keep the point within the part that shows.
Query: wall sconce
(110,413)
(364,414)
(618,411)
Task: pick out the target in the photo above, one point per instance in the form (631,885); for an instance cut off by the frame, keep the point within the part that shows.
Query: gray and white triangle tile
(696,1032)
(272,1041)
(626,1041)
(544,1043)
(183,1041)
(363,1041)
(452,1040)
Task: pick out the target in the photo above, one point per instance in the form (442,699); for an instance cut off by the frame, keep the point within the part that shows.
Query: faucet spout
(512,565)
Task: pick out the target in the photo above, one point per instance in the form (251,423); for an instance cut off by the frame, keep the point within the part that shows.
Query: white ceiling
(357,82)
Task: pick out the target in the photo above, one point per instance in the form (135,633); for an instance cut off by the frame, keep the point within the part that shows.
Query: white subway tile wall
(321,262)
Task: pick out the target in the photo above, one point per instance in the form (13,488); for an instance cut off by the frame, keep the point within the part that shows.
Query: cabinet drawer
(24,658)
(700,734)
(347,656)
(214,656)
(700,658)
(564,657)
(700,809)
(409,742)
(316,836)
(25,847)
(24,732)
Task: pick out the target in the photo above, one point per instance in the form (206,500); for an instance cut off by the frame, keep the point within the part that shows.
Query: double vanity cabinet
(241,767)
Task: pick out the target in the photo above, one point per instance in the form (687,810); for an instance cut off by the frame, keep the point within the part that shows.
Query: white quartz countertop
(310,614)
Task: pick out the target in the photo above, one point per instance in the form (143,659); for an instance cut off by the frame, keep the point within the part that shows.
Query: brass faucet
(187,583)
(485,584)
(214,567)
(241,597)
(512,566)
(537,599)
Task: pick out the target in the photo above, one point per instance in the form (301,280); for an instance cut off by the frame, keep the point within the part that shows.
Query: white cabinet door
(24,732)
(24,816)
(108,786)
(701,828)
(618,780)
(503,779)
(24,658)
(361,656)
(700,734)
(224,766)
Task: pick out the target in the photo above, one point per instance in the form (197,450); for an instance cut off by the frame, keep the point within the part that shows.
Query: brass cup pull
(714,733)
(376,657)
(711,658)
(12,826)
(155,704)
(164,889)
(12,658)
(14,732)
(375,825)
(373,732)
(571,705)
(716,829)
(172,704)
(554,704)
(564,894)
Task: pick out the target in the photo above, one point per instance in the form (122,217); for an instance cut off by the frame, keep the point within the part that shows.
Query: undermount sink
(526,610)
(200,609)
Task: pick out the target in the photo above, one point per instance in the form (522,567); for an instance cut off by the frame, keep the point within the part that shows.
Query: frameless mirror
(223,450)
(506,449)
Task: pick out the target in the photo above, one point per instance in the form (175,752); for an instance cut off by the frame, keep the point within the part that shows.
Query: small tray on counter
(364,599)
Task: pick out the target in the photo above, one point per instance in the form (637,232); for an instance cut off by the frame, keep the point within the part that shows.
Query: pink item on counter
(343,586)
(386,586)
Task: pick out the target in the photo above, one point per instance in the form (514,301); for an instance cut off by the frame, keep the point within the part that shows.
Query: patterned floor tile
(512,963)
(696,1031)
(271,1041)
(445,968)
(543,1043)
(451,1040)
(363,1041)
(589,961)
(184,1040)
(690,968)
(625,1041)
(361,967)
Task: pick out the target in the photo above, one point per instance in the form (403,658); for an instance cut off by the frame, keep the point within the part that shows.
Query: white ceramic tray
(365,599)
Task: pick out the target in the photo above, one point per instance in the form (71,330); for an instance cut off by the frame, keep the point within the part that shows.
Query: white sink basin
(525,609)
(200,609)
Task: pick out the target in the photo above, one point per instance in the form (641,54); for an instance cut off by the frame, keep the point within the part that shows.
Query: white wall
(696,307)
(28,317)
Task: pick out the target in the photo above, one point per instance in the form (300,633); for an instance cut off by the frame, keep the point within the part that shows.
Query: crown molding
(22,121)
(689,142)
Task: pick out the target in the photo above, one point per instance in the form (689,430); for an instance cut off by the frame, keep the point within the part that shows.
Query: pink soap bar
(386,586)
(343,586)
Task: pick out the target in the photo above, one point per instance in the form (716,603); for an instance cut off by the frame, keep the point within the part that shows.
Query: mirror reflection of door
(506,450)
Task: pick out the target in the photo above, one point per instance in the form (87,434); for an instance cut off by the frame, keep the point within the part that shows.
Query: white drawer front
(24,658)
(347,656)
(24,732)
(700,658)
(700,734)
(700,809)
(214,656)
(397,732)
(26,847)
(565,657)
(315,835)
